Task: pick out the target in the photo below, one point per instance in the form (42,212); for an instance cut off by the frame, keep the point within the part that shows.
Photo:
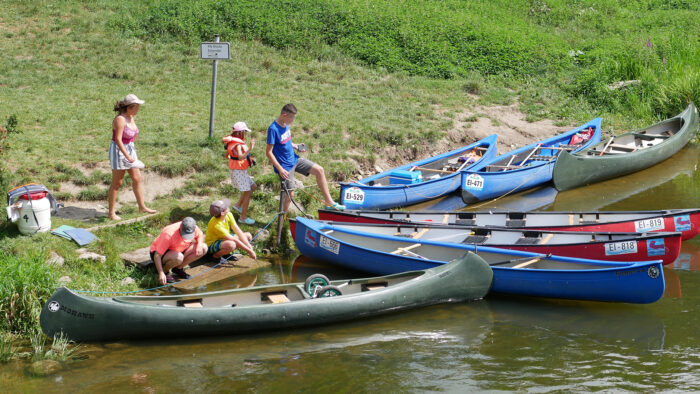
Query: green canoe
(626,153)
(254,309)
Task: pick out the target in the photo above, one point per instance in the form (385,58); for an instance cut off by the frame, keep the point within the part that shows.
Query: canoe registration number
(330,245)
(474,181)
(641,226)
(624,247)
(354,195)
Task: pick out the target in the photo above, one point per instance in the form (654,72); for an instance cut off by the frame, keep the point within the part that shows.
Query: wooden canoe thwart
(626,153)
(685,221)
(254,309)
(514,272)
(608,246)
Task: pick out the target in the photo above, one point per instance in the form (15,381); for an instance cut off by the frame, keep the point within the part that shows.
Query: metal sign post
(214,50)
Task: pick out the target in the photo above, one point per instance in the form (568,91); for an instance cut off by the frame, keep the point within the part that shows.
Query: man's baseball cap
(187,228)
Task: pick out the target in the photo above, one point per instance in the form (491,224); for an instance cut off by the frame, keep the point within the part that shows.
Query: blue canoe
(514,272)
(417,181)
(524,168)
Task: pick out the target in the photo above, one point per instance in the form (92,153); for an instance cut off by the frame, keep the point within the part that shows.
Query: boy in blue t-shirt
(280,152)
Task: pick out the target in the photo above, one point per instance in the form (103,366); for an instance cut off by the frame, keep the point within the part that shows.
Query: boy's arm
(284,174)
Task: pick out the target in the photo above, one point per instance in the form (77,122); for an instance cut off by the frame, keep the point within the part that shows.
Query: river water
(497,344)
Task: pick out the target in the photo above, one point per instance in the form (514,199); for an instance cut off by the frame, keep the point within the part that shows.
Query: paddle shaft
(540,256)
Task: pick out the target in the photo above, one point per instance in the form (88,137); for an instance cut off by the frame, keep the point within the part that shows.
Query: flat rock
(55,259)
(140,257)
(44,367)
(85,255)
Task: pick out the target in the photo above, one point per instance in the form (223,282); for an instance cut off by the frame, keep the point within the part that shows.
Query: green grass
(364,74)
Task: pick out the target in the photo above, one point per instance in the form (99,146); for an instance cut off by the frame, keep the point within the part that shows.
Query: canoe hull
(640,282)
(84,318)
(684,221)
(479,184)
(589,245)
(362,195)
(579,169)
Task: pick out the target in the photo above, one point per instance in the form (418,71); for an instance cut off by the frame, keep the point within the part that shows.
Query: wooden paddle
(606,146)
(536,258)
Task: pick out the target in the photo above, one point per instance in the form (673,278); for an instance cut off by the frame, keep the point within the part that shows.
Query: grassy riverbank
(365,75)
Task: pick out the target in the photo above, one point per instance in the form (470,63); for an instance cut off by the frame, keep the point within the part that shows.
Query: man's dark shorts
(303,167)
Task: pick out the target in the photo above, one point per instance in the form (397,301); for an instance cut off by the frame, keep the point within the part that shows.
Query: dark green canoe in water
(86,318)
(626,153)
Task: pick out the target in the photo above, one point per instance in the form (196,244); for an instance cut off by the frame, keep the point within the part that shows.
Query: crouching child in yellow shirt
(223,234)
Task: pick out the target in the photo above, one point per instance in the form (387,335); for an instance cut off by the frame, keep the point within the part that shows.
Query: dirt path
(472,124)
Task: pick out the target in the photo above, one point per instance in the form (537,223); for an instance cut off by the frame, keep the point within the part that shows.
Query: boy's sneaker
(180,273)
(248,221)
(236,208)
(169,278)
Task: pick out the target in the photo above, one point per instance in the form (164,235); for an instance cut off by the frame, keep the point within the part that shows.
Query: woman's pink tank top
(128,135)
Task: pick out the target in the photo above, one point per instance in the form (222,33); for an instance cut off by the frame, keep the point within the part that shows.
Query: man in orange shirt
(177,245)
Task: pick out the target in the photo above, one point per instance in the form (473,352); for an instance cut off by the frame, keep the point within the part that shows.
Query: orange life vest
(234,163)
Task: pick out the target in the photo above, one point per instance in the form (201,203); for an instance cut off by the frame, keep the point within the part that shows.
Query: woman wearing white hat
(122,153)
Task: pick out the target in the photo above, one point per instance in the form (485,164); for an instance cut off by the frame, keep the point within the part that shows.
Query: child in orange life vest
(239,159)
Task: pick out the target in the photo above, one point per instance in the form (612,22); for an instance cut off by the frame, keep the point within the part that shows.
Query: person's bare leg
(239,203)
(137,184)
(193,253)
(245,201)
(320,174)
(117,179)
(227,247)
(171,259)
(287,201)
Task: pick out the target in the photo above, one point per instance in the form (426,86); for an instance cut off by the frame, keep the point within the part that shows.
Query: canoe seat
(528,241)
(196,303)
(374,286)
(515,223)
(465,222)
(650,137)
(623,147)
(275,297)
(475,239)
(569,147)
(542,158)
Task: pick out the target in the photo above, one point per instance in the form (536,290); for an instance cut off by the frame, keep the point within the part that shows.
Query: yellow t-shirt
(219,228)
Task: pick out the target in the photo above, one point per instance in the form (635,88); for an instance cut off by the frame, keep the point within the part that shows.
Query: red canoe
(665,246)
(684,221)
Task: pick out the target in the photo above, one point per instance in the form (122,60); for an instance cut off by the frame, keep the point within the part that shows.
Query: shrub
(27,283)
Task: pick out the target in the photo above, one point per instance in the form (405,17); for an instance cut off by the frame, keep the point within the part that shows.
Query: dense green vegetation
(365,74)
(581,46)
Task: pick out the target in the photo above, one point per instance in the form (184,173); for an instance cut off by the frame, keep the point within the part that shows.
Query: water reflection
(340,357)
(663,186)
(689,258)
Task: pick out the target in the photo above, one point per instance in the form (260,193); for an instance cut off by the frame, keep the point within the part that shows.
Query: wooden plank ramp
(223,271)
